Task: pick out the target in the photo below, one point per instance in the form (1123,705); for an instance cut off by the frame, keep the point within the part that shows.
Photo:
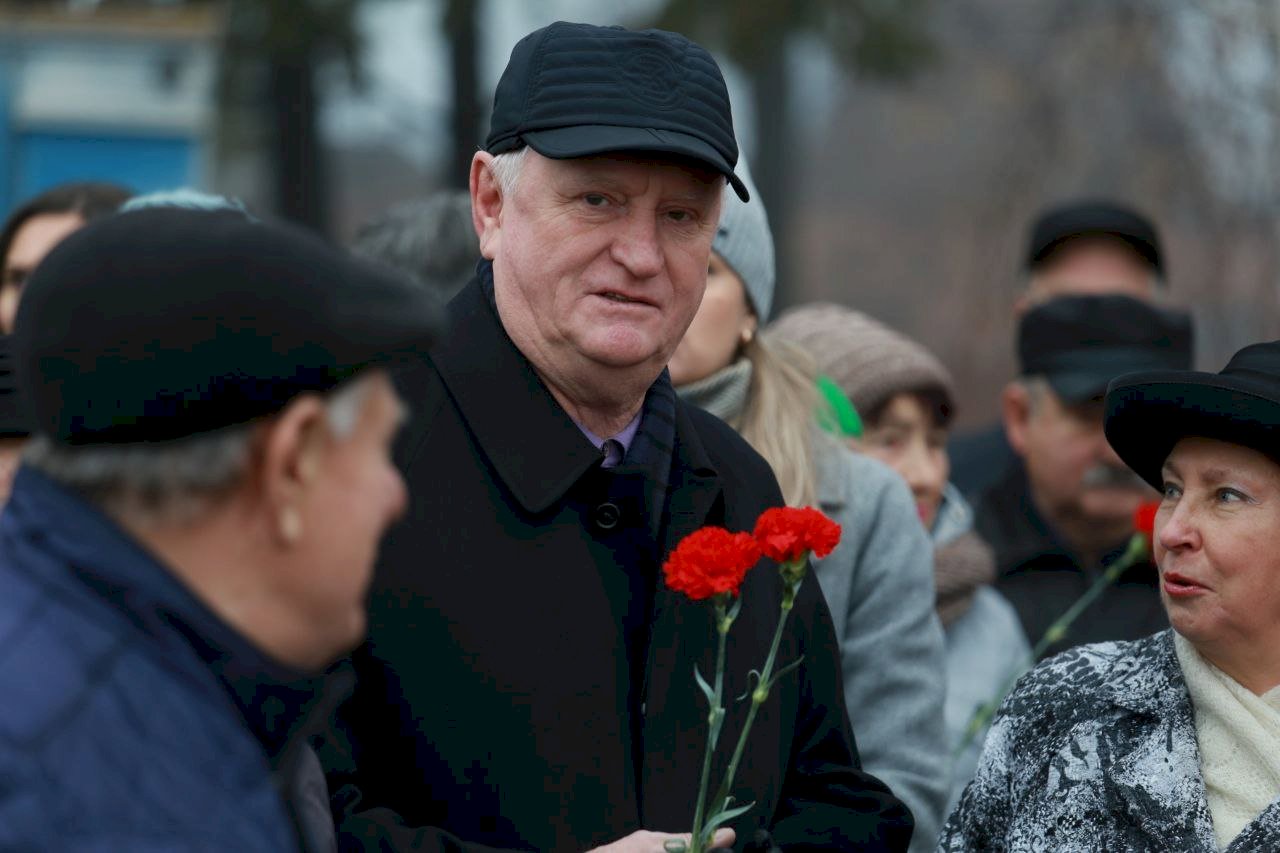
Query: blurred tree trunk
(770,167)
(298,165)
(271,58)
(461,32)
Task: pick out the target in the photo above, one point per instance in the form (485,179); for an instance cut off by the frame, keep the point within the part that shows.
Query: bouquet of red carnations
(711,563)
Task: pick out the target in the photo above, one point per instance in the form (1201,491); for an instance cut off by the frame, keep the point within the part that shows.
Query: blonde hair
(778,419)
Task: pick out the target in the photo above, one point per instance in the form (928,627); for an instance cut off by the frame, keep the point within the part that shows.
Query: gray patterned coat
(1095,750)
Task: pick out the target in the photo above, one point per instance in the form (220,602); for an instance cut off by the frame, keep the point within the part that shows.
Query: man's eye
(595,200)
(1229,495)
(679,215)
(1171,491)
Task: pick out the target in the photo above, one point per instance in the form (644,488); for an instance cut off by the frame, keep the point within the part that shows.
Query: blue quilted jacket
(131,718)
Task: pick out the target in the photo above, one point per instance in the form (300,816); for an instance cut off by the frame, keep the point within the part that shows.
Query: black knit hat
(162,323)
(575,90)
(1056,226)
(1080,343)
(1149,412)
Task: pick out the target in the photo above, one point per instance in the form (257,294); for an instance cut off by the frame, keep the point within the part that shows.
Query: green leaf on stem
(704,687)
(724,816)
(786,669)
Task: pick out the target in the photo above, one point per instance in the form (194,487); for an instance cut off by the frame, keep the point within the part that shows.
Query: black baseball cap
(1056,226)
(163,323)
(1148,413)
(576,90)
(1080,343)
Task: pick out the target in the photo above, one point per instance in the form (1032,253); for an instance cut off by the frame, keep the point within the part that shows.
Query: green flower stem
(792,575)
(1135,551)
(715,718)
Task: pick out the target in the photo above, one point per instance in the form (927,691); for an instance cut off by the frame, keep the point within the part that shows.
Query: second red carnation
(787,534)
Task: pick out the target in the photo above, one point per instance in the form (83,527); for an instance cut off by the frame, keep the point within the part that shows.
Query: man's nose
(636,245)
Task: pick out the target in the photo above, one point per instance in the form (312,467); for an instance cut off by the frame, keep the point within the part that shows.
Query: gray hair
(173,482)
(431,240)
(1038,389)
(506,168)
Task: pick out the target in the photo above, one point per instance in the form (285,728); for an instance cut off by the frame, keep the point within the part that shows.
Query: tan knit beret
(868,360)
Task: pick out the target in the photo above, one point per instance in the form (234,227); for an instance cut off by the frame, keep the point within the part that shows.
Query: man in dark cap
(1077,248)
(528,683)
(191,535)
(1064,509)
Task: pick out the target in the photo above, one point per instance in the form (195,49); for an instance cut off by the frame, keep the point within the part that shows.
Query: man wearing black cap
(192,532)
(528,683)
(1079,248)
(1065,508)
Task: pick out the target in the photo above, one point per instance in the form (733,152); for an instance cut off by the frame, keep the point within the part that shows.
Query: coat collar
(535,447)
(274,700)
(1156,778)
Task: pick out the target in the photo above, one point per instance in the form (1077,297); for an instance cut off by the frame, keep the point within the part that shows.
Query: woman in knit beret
(905,398)
(878,582)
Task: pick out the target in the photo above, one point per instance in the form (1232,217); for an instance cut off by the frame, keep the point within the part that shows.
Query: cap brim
(1147,414)
(1078,387)
(563,143)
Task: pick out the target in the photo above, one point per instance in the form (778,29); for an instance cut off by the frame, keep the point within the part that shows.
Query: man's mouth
(621,298)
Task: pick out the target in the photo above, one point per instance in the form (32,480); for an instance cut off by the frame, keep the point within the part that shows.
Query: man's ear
(1015,411)
(486,203)
(292,450)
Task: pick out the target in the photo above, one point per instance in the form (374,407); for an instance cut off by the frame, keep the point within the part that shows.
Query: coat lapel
(683,633)
(1153,772)
(538,455)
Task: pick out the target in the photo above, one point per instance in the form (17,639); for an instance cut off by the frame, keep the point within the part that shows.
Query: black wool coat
(495,705)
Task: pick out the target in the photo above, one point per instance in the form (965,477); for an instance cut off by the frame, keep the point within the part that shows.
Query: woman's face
(723,321)
(907,438)
(31,242)
(1216,547)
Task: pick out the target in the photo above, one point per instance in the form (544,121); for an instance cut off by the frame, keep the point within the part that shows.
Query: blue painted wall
(142,163)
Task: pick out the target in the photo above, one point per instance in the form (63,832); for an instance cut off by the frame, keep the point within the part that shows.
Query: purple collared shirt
(615,447)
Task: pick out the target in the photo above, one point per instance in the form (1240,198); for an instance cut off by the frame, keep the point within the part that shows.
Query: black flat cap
(576,90)
(1057,225)
(1148,413)
(1080,343)
(163,323)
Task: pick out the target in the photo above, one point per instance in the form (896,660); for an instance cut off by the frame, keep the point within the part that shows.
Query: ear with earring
(748,335)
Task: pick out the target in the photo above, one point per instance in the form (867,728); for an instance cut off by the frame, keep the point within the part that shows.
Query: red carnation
(1144,522)
(786,534)
(710,561)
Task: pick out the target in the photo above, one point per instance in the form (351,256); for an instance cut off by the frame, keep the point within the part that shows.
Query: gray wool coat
(878,584)
(1095,750)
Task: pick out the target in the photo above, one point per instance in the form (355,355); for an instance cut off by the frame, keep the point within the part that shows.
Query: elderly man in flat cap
(528,682)
(1083,247)
(191,535)
(1063,510)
